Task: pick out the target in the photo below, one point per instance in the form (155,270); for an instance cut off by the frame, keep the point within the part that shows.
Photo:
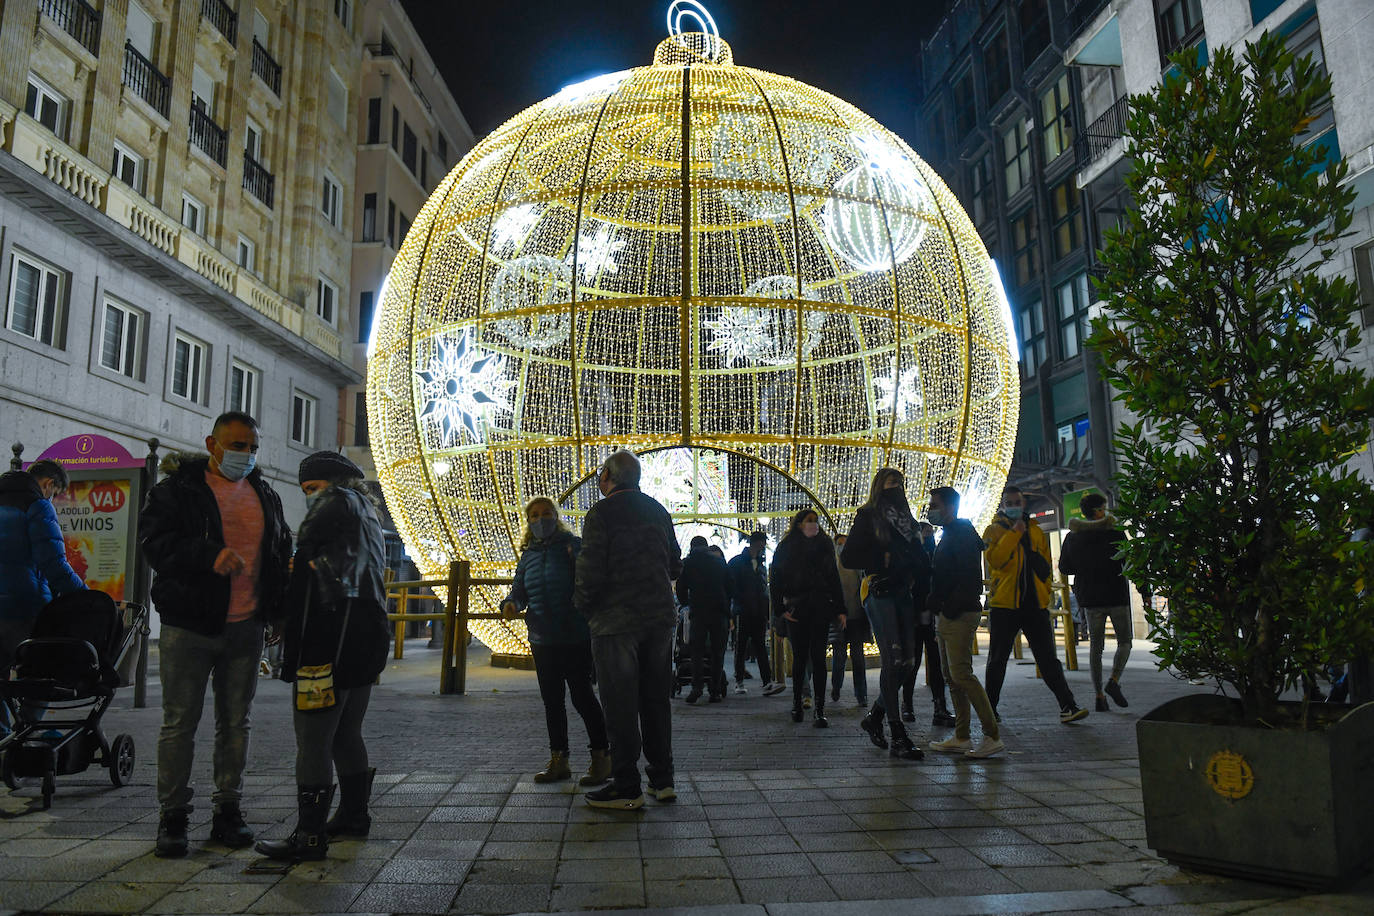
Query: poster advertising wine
(95,516)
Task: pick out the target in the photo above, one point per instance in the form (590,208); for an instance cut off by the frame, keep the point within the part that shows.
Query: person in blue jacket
(559,639)
(33,556)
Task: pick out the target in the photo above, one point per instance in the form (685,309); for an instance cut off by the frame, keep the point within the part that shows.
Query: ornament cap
(698,47)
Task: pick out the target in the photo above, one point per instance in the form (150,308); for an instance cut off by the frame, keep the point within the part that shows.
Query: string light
(830,311)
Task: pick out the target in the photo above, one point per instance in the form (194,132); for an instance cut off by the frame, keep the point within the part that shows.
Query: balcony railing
(78,18)
(208,135)
(1099,136)
(266,67)
(146,80)
(257,180)
(219,15)
(384,49)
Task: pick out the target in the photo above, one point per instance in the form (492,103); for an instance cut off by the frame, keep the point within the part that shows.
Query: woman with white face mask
(804,588)
(559,639)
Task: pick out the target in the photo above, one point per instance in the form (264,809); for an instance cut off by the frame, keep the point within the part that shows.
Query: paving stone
(606,895)
(784,890)
(501,898)
(853,863)
(209,898)
(35,895)
(435,871)
(1017,854)
(292,895)
(691,893)
(405,898)
(599,871)
(966,882)
(897,885)
(770,866)
(113,897)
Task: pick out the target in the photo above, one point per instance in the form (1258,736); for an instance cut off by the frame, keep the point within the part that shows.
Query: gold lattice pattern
(743,278)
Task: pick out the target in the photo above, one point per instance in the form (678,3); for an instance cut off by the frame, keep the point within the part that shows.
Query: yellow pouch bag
(314,687)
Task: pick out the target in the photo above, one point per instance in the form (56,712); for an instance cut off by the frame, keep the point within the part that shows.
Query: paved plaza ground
(771,818)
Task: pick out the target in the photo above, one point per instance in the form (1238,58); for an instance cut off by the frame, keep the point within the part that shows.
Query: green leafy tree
(1225,328)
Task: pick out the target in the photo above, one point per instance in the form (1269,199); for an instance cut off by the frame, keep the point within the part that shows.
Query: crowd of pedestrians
(602,612)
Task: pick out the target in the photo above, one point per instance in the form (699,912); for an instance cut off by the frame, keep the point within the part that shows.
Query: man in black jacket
(214,533)
(704,588)
(749,606)
(624,588)
(1089,555)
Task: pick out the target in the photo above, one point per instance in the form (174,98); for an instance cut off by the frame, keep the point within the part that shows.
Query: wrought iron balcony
(1099,136)
(266,67)
(219,15)
(257,180)
(78,18)
(206,134)
(384,49)
(146,80)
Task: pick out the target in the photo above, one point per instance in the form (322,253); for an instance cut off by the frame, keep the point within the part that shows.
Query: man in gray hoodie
(1089,555)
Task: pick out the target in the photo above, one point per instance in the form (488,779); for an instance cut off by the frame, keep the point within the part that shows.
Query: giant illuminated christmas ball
(746,280)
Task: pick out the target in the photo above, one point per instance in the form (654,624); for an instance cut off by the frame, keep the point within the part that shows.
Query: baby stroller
(68,667)
(682,654)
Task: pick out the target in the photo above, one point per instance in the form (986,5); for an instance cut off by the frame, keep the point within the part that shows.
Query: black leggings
(329,740)
(555,666)
(925,637)
(808,636)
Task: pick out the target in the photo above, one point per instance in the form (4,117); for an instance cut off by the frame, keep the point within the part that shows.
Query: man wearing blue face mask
(214,533)
(1018,555)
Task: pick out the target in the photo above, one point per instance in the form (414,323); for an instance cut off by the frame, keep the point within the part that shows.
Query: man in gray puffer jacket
(624,588)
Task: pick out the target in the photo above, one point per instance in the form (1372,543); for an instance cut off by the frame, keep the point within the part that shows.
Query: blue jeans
(186,662)
(893,620)
(634,672)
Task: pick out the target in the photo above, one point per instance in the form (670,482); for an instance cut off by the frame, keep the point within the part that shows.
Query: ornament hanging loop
(679,10)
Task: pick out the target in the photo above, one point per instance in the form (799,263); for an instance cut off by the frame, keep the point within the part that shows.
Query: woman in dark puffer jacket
(559,639)
(804,588)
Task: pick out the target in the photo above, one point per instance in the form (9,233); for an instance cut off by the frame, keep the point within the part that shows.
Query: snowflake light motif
(531,281)
(461,386)
(596,253)
(513,226)
(745,334)
(908,394)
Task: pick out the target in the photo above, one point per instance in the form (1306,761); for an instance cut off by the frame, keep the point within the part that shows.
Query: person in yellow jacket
(1018,556)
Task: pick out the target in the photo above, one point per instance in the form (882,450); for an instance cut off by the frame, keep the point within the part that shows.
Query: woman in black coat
(804,588)
(336,616)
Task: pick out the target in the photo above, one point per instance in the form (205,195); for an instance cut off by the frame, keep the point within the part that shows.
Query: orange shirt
(240,511)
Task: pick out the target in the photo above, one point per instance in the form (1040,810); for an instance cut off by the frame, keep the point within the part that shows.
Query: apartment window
(408,146)
(343,11)
(1056,118)
(330,196)
(1364,280)
(983,188)
(1066,214)
(365,306)
(141,31)
(1034,19)
(395,129)
(424,170)
(338,100)
(37,300)
(121,339)
(326,299)
(244,384)
(47,106)
(1016,158)
(964,108)
(997,66)
(1304,41)
(391,223)
(443,150)
(193,214)
(1073,315)
(1030,328)
(1025,240)
(1180,24)
(403,228)
(203,92)
(374,120)
(129,167)
(190,365)
(303,408)
(252,141)
(248,255)
(360,419)
(369,217)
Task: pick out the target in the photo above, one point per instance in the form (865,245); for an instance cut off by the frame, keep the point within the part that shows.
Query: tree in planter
(1224,326)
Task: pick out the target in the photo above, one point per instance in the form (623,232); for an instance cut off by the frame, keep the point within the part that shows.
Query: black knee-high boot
(308,842)
(352,819)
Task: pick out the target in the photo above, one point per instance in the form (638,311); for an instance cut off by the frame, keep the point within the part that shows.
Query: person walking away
(33,560)
(624,587)
(559,640)
(848,641)
(704,588)
(956,595)
(214,533)
(335,618)
(926,642)
(1018,556)
(1089,555)
(804,588)
(749,606)
(885,543)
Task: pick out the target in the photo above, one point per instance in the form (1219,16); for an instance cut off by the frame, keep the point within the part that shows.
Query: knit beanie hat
(327,466)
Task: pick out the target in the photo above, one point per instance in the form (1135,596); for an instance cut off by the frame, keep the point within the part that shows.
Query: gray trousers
(187,661)
(329,740)
(1120,616)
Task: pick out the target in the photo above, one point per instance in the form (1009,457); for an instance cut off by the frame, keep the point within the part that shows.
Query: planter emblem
(1230,775)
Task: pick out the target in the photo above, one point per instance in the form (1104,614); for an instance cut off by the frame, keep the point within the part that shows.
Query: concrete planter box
(1273,805)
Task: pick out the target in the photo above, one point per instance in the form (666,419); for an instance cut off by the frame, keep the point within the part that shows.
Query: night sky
(500,56)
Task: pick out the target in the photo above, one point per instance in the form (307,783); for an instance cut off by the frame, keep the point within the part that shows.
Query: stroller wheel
(121,762)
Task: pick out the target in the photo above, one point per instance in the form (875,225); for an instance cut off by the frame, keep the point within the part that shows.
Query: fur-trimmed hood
(1106,523)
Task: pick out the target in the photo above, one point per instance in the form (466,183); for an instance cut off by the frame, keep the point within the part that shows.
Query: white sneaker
(988,747)
(773,689)
(952,745)
(741,690)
